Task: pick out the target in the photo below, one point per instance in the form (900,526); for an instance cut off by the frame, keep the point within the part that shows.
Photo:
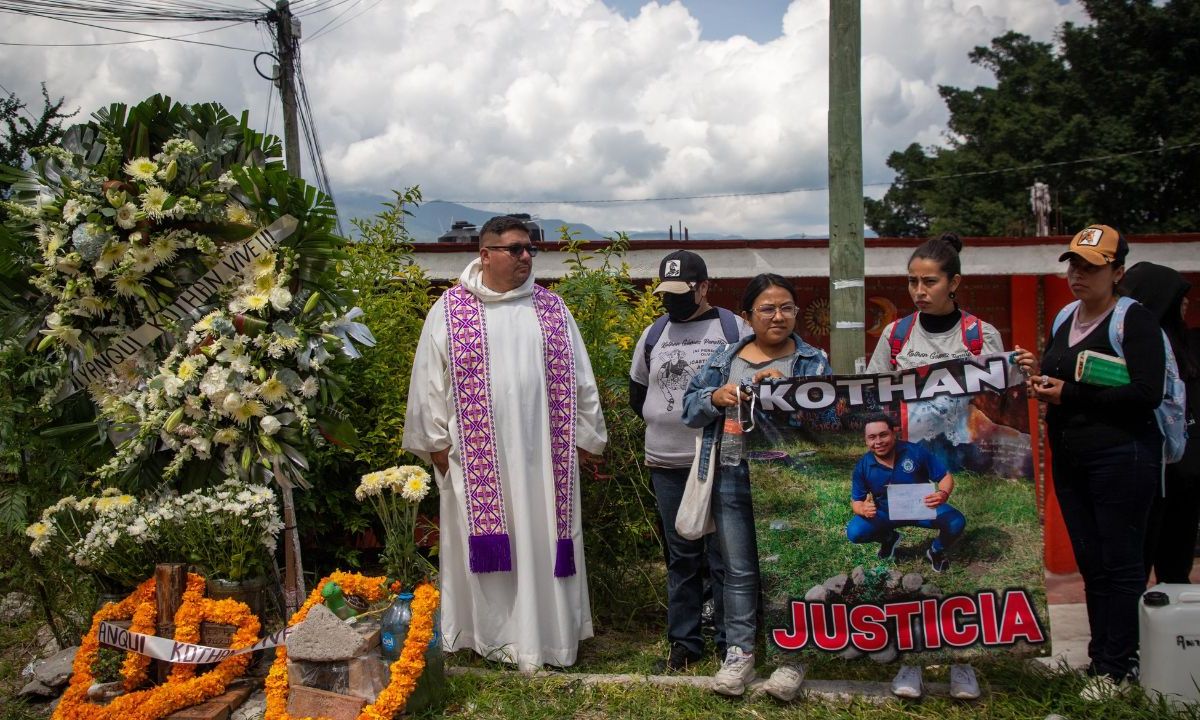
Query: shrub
(619,511)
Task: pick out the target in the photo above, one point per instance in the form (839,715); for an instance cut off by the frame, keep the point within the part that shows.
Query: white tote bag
(694,519)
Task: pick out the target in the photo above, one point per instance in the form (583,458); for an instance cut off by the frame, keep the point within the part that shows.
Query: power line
(364,11)
(20,104)
(823,188)
(121,42)
(135,32)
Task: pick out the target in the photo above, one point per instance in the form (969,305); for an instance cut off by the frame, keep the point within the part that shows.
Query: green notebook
(1096,368)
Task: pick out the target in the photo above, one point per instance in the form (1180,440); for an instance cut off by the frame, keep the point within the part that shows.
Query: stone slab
(323,637)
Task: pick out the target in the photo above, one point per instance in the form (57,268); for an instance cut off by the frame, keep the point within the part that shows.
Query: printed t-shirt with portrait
(913,464)
(679,354)
(924,348)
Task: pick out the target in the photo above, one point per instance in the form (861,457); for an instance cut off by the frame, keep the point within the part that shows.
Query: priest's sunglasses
(516,249)
(766,312)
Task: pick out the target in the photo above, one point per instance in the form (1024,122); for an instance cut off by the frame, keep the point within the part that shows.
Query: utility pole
(287,43)
(846,292)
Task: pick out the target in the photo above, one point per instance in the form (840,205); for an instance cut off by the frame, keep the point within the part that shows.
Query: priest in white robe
(504,404)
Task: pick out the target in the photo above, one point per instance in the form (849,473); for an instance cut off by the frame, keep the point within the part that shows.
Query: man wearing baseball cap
(668,353)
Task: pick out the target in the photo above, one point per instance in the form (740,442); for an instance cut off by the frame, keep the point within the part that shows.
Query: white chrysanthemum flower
(270,424)
(142,168)
(236,213)
(256,302)
(164,247)
(91,306)
(226,436)
(153,201)
(416,487)
(72,209)
(143,259)
(127,216)
(370,485)
(309,387)
(248,409)
(128,284)
(272,390)
(241,365)
(37,530)
(262,265)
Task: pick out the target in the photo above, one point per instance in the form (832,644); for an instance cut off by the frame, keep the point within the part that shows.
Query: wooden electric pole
(287,35)
(846,292)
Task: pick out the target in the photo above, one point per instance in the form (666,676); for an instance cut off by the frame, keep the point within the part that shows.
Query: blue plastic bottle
(393,627)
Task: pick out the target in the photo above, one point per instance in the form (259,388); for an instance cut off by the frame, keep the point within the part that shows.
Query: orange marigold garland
(405,670)
(179,691)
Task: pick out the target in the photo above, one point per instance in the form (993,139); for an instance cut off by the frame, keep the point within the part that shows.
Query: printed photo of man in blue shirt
(897,462)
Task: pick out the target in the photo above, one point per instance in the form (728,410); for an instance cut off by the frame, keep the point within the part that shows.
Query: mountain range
(434,217)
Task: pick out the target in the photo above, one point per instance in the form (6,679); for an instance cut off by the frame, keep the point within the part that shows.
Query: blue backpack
(1172,411)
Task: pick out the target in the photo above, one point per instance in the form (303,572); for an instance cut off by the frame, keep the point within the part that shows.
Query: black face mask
(680,306)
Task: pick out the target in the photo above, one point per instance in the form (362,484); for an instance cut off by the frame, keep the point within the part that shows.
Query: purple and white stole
(488,544)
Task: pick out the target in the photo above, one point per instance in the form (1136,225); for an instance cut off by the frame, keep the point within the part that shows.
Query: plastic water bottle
(393,627)
(732,439)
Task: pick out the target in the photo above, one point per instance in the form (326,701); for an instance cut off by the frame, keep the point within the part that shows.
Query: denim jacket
(698,410)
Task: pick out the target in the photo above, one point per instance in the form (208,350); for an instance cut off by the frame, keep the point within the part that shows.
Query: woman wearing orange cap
(1106,446)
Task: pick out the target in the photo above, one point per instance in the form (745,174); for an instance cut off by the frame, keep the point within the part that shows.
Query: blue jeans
(949,523)
(733,514)
(685,563)
(1105,496)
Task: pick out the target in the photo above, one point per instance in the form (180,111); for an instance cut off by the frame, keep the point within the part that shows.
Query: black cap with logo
(680,271)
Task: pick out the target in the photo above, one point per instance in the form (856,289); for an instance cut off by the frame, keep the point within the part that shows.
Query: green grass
(1013,689)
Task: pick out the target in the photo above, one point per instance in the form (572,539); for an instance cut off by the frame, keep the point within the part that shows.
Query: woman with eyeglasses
(774,350)
(938,330)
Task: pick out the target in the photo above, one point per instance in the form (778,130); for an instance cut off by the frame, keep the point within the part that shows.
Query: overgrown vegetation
(619,512)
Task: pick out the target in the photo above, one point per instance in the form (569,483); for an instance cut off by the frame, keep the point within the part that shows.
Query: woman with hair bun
(938,330)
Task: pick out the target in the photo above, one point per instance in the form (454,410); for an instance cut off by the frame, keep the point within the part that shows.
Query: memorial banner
(875,540)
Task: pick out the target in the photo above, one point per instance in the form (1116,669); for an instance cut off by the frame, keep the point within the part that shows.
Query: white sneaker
(963,685)
(907,683)
(785,682)
(736,673)
(1102,688)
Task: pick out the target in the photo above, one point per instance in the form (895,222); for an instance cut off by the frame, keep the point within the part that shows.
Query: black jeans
(685,564)
(1171,534)
(1105,495)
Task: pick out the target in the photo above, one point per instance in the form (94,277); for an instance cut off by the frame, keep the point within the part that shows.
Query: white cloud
(540,99)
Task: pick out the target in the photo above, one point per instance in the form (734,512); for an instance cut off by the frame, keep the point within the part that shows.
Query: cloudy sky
(546,100)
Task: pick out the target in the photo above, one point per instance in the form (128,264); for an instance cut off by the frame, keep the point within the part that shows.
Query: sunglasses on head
(516,249)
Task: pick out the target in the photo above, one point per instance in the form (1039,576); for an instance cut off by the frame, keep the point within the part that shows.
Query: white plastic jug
(1170,642)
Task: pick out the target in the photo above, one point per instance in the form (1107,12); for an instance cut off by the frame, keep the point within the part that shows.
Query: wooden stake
(293,573)
(170,580)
